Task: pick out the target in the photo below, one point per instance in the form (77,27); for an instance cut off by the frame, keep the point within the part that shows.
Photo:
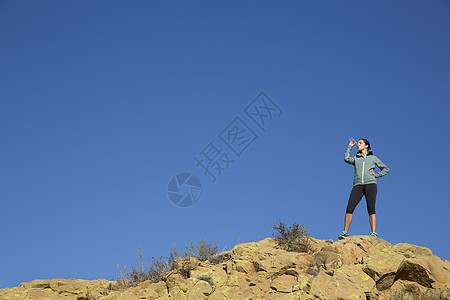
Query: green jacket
(363,165)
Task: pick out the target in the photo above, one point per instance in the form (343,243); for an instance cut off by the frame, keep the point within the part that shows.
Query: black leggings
(370,190)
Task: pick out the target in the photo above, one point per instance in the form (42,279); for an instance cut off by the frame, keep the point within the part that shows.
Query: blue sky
(102,103)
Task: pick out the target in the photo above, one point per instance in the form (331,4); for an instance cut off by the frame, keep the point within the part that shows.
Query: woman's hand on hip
(372,172)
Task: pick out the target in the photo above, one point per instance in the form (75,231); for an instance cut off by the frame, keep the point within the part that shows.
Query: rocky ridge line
(358,267)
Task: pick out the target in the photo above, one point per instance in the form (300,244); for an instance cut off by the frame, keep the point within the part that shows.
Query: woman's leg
(348,221)
(371,196)
(373,222)
(355,196)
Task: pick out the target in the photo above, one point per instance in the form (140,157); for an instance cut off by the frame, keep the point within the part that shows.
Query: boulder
(283,284)
(385,262)
(200,290)
(348,282)
(414,272)
(355,249)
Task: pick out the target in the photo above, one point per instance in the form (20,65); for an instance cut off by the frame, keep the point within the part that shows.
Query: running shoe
(343,235)
(374,234)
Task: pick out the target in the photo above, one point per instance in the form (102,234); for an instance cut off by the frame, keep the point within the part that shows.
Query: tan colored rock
(255,251)
(65,288)
(130,294)
(438,268)
(302,284)
(177,295)
(217,274)
(316,245)
(36,284)
(201,271)
(20,293)
(328,260)
(176,282)
(217,295)
(411,251)
(348,282)
(68,286)
(409,262)
(261,281)
(410,290)
(300,260)
(154,291)
(385,262)
(244,250)
(97,288)
(358,267)
(39,294)
(355,249)
(277,265)
(283,284)
(233,292)
(238,279)
(219,277)
(244,266)
(200,290)
(228,267)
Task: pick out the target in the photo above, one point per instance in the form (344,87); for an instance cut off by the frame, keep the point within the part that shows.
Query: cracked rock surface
(357,267)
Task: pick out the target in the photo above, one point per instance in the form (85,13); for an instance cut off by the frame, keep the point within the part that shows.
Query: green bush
(294,238)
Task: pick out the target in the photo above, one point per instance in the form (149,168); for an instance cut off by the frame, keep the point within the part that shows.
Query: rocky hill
(358,267)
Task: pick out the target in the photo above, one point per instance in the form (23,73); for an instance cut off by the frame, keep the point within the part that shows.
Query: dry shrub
(294,238)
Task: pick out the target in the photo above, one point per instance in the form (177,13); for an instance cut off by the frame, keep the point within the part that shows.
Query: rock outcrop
(358,267)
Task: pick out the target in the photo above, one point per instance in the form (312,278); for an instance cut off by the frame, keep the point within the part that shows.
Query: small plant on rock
(294,238)
(155,271)
(201,250)
(399,295)
(160,266)
(435,295)
(407,294)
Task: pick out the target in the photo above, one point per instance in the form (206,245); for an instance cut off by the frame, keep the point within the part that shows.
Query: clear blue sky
(102,102)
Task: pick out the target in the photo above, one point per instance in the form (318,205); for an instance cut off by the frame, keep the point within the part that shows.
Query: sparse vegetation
(294,238)
(160,266)
(434,295)
(400,295)
(201,250)
(219,258)
(155,271)
(408,295)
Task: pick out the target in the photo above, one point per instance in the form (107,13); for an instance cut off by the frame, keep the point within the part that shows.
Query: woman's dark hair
(367,143)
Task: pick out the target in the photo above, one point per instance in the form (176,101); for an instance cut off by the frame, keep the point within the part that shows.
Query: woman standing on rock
(364,182)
